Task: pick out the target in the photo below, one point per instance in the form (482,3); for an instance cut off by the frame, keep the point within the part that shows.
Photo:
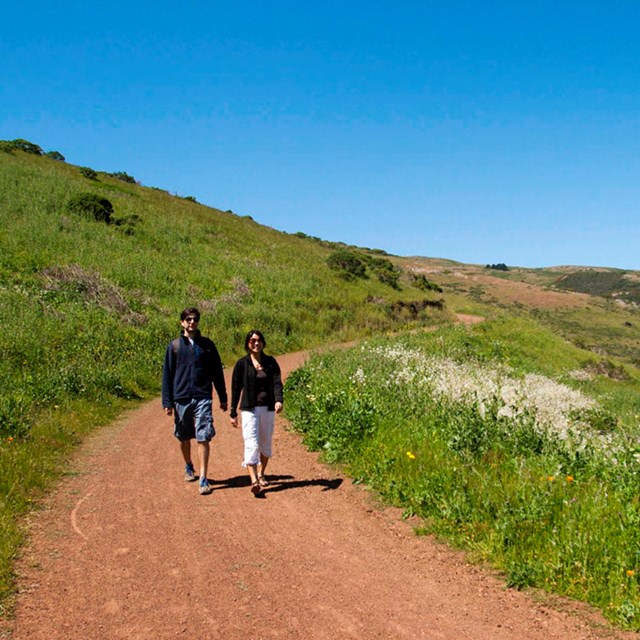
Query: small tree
(500,266)
(91,206)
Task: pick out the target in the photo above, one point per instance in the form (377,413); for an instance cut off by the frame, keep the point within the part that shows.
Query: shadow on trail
(276,483)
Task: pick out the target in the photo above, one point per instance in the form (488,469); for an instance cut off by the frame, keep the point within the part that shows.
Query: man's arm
(168,374)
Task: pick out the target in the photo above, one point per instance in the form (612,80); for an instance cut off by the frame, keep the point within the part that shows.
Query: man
(192,367)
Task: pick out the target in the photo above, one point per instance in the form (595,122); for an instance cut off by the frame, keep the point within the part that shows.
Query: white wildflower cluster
(359,378)
(580,374)
(552,405)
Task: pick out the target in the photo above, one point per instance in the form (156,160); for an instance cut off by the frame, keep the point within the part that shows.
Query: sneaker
(189,472)
(205,487)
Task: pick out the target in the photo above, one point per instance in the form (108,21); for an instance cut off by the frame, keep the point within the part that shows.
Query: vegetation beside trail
(95,268)
(506,440)
(94,271)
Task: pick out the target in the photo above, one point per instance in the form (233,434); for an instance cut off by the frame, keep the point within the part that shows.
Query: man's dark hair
(189,311)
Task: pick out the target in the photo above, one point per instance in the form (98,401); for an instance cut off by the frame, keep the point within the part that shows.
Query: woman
(257,377)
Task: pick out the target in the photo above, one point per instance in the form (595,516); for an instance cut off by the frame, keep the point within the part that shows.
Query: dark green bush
(91,206)
(127,224)
(421,282)
(26,146)
(88,172)
(384,270)
(125,177)
(347,264)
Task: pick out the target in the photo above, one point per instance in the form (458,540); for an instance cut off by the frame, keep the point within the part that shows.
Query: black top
(245,381)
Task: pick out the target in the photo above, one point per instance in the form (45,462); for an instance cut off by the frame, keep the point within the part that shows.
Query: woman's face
(255,344)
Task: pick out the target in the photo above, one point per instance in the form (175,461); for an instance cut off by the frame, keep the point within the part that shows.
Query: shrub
(347,264)
(384,269)
(127,224)
(500,266)
(55,155)
(421,282)
(26,146)
(125,177)
(88,172)
(91,206)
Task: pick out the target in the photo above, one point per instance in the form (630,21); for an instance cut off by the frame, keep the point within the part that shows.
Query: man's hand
(234,422)
(168,411)
(223,406)
(278,407)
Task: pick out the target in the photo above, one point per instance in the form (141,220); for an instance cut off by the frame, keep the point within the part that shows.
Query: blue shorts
(193,419)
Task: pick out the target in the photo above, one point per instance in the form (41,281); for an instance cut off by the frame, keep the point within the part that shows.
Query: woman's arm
(237,380)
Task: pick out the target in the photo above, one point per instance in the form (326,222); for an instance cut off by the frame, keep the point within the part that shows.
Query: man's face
(190,324)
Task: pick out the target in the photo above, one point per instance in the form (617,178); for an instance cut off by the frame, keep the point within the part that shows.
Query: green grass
(552,506)
(88,308)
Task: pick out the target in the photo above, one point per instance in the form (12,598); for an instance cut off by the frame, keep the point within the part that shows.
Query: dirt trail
(127,549)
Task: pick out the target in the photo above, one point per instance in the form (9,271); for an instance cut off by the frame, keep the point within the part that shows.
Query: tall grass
(514,450)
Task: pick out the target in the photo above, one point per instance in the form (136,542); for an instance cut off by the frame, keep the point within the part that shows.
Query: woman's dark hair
(252,333)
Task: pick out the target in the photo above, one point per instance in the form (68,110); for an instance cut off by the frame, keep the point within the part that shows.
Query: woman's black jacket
(243,380)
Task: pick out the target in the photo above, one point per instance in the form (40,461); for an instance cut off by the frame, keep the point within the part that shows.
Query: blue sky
(477,131)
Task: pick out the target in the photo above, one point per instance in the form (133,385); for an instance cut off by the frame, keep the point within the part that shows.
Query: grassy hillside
(88,307)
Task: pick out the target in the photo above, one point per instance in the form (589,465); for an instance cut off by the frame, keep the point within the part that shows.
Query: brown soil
(126,549)
(505,291)
(530,295)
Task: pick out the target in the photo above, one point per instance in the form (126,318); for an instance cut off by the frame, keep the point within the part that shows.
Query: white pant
(257,431)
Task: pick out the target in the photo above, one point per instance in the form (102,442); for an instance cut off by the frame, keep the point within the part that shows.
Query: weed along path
(126,549)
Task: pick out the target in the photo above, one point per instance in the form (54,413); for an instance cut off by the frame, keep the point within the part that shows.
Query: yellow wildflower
(550,478)
(410,455)
(569,479)
(630,573)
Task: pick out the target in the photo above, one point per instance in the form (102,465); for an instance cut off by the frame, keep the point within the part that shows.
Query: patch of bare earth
(126,549)
(505,291)
(513,292)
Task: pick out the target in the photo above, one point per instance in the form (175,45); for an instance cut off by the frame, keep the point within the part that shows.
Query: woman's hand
(278,407)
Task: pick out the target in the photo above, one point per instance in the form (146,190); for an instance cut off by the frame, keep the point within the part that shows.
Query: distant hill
(623,286)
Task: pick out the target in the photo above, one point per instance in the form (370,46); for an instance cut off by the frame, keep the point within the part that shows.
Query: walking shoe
(189,472)
(256,489)
(205,487)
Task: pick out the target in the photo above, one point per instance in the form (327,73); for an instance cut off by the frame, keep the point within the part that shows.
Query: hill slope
(90,293)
